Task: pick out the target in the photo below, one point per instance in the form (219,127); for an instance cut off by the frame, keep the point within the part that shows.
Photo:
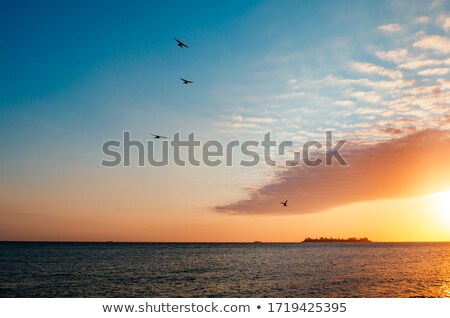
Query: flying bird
(284,203)
(158,136)
(186,81)
(181,44)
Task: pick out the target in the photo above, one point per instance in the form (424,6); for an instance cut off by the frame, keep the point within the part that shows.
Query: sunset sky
(74,75)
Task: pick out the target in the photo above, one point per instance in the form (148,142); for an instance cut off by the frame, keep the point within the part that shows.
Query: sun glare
(442,203)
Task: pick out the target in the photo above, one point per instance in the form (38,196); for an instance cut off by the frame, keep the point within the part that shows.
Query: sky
(74,75)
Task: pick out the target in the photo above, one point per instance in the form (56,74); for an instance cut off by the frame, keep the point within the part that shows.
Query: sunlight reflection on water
(446,289)
(225,270)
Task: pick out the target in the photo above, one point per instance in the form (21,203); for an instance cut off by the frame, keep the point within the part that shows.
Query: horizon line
(206,242)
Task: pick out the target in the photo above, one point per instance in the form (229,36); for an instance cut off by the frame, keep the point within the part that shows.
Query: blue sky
(52,50)
(85,72)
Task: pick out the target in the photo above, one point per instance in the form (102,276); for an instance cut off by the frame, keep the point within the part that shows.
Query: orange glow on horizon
(380,221)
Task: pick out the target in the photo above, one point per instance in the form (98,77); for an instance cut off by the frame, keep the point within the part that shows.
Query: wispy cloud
(394,112)
(437,43)
(424,90)
(396,56)
(434,71)
(422,20)
(241,119)
(390,28)
(345,103)
(369,97)
(289,95)
(369,68)
(240,125)
(444,22)
(333,80)
(436,3)
(378,111)
(445,83)
(415,63)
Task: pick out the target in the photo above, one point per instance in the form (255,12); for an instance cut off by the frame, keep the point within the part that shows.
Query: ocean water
(224,270)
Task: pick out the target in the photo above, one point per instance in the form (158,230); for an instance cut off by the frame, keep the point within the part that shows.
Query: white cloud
(444,22)
(333,80)
(423,90)
(396,56)
(293,83)
(422,20)
(407,81)
(241,119)
(390,28)
(240,125)
(375,111)
(437,43)
(436,3)
(289,95)
(391,84)
(369,68)
(369,97)
(418,63)
(259,120)
(434,71)
(345,103)
(237,118)
(445,83)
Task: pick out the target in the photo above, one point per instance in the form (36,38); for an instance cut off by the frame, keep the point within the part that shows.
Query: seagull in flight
(158,136)
(181,44)
(186,81)
(284,203)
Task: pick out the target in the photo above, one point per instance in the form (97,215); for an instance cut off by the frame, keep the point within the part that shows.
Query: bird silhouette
(284,203)
(158,136)
(181,44)
(186,81)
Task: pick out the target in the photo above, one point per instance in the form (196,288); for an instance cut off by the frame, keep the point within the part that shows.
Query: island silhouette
(336,240)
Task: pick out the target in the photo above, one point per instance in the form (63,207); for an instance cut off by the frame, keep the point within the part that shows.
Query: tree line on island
(331,239)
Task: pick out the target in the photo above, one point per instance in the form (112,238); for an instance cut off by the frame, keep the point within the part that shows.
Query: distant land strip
(336,240)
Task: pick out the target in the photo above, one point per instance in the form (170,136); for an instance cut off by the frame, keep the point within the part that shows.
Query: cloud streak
(390,28)
(437,43)
(444,22)
(369,68)
(396,56)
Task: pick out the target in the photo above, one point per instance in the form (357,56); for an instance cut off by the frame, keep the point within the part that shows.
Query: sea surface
(224,270)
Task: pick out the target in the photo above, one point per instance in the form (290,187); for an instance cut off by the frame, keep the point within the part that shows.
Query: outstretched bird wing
(158,136)
(181,44)
(185,81)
